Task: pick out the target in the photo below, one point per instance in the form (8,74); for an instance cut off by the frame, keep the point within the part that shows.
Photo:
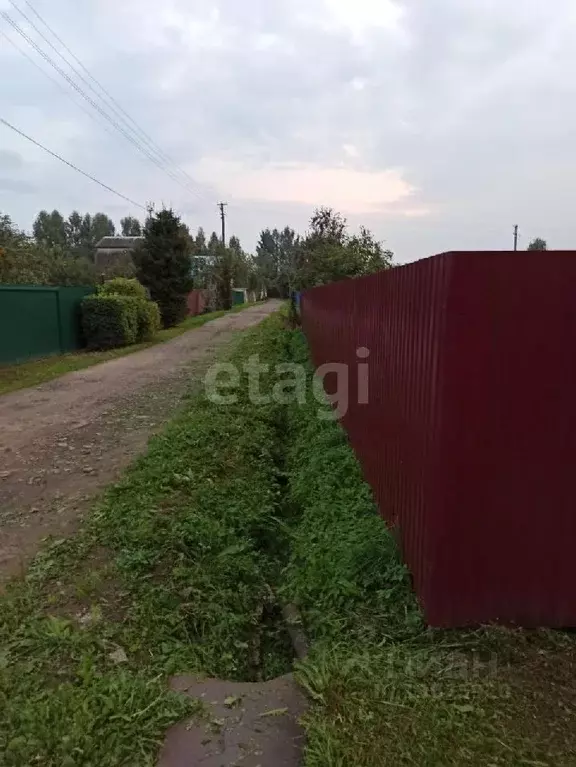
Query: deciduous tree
(50,228)
(131,227)
(329,253)
(538,244)
(277,259)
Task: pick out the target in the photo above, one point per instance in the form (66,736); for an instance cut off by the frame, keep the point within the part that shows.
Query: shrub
(147,312)
(110,321)
(121,286)
(149,322)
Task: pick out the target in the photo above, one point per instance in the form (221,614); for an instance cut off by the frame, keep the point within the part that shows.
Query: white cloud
(350,191)
(438,123)
(359,83)
(360,16)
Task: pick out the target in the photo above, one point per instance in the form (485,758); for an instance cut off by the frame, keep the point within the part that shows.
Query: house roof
(122,243)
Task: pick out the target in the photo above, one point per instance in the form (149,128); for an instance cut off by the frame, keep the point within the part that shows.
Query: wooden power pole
(222,206)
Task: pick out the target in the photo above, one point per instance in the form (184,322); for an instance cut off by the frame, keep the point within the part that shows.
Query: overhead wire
(134,141)
(113,103)
(70,164)
(56,82)
(76,87)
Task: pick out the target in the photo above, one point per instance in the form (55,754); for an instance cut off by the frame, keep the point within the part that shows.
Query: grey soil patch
(64,441)
(245,725)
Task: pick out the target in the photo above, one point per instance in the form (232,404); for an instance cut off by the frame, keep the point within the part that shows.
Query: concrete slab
(247,725)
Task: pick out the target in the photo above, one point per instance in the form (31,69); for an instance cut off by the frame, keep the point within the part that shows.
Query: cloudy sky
(437,123)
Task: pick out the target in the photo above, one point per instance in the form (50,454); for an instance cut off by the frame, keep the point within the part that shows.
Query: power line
(76,87)
(56,82)
(69,164)
(91,101)
(113,102)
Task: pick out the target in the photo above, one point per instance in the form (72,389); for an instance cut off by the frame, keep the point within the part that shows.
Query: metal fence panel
(70,299)
(37,321)
(469,436)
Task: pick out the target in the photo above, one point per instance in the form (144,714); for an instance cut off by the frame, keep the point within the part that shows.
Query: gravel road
(63,441)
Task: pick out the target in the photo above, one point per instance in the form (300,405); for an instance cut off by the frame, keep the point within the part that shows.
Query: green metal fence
(39,321)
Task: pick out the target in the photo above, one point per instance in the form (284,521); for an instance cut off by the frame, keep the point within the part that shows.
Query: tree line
(60,250)
(170,260)
(80,233)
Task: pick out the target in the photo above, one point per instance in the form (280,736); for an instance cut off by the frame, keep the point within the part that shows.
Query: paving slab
(245,724)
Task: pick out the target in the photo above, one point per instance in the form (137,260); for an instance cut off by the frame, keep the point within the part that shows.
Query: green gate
(39,321)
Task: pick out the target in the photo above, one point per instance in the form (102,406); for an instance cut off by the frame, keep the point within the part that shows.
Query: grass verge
(175,572)
(35,372)
(388,692)
(178,569)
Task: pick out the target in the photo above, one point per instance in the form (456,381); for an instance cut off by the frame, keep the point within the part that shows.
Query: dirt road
(63,441)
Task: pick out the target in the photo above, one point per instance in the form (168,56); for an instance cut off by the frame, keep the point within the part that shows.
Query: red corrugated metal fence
(196,302)
(469,434)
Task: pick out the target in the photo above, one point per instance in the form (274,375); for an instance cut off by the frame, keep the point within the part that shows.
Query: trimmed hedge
(119,315)
(121,286)
(149,321)
(110,321)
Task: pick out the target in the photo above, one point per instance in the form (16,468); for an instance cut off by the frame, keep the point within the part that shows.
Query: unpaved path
(63,441)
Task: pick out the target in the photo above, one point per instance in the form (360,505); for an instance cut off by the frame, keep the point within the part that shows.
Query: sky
(438,124)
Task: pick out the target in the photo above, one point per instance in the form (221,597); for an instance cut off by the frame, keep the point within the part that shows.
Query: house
(115,251)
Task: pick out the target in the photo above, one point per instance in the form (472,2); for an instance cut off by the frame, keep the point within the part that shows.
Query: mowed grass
(387,691)
(175,572)
(35,372)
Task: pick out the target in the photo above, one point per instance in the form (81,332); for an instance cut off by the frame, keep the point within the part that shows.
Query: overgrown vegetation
(175,572)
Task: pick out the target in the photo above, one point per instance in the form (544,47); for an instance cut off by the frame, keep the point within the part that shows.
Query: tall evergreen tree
(163,265)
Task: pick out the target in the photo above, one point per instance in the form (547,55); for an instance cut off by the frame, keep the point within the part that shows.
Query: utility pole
(516,237)
(222,205)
